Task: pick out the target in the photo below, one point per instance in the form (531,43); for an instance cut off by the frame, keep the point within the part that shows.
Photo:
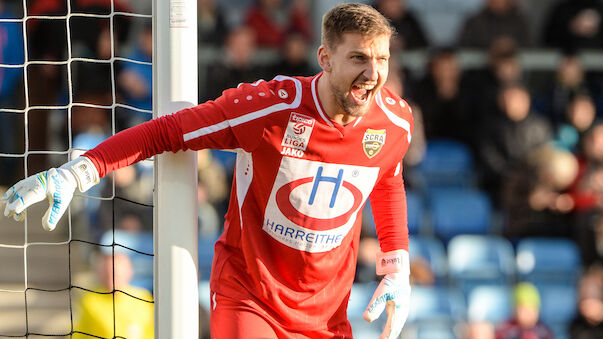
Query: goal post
(175,230)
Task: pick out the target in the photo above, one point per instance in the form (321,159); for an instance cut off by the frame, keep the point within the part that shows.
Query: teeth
(366,87)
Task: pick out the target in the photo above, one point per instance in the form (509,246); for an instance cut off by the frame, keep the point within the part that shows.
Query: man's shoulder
(281,91)
(393,105)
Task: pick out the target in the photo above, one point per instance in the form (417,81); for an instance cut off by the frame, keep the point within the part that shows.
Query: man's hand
(57,185)
(392,294)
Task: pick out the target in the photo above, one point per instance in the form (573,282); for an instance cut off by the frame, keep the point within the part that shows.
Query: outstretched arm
(137,143)
(58,185)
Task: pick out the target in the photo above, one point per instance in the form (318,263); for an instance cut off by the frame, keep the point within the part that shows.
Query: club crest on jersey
(373,141)
(297,135)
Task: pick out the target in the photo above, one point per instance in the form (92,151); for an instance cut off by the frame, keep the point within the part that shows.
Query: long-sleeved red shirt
(293,225)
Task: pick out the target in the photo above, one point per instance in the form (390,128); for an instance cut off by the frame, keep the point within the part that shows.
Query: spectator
(212,194)
(109,311)
(588,232)
(499,18)
(98,92)
(11,91)
(509,137)
(133,183)
(483,85)
(410,34)
(580,115)
(439,96)
(588,323)
(535,195)
(294,57)
(368,246)
(12,53)
(211,23)
(479,330)
(570,80)
(270,20)
(525,322)
(236,66)
(588,188)
(136,80)
(574,24)
(587,194)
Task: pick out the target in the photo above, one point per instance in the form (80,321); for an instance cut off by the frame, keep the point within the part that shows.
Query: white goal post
(175,231)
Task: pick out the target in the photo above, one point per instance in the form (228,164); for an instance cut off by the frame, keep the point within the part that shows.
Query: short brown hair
(353,18)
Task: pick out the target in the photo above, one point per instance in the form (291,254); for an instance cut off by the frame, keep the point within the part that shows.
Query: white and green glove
(57,185)
(392,294)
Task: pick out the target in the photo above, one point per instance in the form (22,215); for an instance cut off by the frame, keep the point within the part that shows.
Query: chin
(355,110)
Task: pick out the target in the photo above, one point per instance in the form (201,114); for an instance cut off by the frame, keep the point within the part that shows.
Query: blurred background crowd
(504,175)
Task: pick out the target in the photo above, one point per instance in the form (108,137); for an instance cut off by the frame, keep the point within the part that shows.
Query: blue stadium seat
(360,295)
(490,303)
(436,331)
(206,256)
(460,211)
(436,304)
(415,207)
(129,243)
(447,163)
(432,250)
(480,260)
(548,260)
(363,329)
(558,303)
(560,331)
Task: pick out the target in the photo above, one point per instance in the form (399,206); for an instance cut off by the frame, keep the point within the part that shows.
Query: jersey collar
(317,103)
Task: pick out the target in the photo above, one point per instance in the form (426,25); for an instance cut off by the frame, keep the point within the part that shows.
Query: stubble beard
(347,104)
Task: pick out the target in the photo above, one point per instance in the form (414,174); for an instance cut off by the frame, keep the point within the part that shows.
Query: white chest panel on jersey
(313,205)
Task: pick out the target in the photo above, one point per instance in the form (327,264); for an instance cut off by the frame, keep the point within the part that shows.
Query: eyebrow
(366,55)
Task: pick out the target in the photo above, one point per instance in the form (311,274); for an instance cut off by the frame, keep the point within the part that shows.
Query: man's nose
(371,71)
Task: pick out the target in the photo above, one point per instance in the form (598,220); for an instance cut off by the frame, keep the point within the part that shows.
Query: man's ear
(324,58)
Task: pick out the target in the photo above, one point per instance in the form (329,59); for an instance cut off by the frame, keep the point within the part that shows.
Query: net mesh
(70,75)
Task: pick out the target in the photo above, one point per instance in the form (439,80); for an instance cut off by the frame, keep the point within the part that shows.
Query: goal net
(72,73)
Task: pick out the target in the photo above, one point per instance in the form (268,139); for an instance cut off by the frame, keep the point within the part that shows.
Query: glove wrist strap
(393,262)
(84,171)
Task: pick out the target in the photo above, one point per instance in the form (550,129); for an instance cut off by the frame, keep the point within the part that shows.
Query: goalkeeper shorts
(235,319)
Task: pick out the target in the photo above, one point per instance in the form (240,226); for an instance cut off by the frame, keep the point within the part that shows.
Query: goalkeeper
(310,152)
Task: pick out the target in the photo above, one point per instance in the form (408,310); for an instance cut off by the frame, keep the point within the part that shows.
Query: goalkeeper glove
(57,185)
(392,294)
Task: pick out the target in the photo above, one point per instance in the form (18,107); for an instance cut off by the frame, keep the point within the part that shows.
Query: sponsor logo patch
(297,135)
(313,205)
(373,141)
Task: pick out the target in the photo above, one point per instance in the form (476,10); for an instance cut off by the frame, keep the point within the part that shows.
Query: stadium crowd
(502,155)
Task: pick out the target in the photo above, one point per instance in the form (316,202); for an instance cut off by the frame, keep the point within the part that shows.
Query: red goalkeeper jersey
(292,229)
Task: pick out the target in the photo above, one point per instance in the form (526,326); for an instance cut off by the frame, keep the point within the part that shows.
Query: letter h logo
(336,180)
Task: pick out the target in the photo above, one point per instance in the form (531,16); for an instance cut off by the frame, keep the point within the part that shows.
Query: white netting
(60,95)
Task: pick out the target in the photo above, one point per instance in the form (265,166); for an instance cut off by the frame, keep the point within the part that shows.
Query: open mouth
(361,93)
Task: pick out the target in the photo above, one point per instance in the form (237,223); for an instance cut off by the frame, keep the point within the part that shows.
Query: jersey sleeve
(388,203)
(234,120)
(388,198)
(243,115)
(137,143)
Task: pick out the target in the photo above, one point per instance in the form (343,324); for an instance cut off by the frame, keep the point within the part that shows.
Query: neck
(329,104)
